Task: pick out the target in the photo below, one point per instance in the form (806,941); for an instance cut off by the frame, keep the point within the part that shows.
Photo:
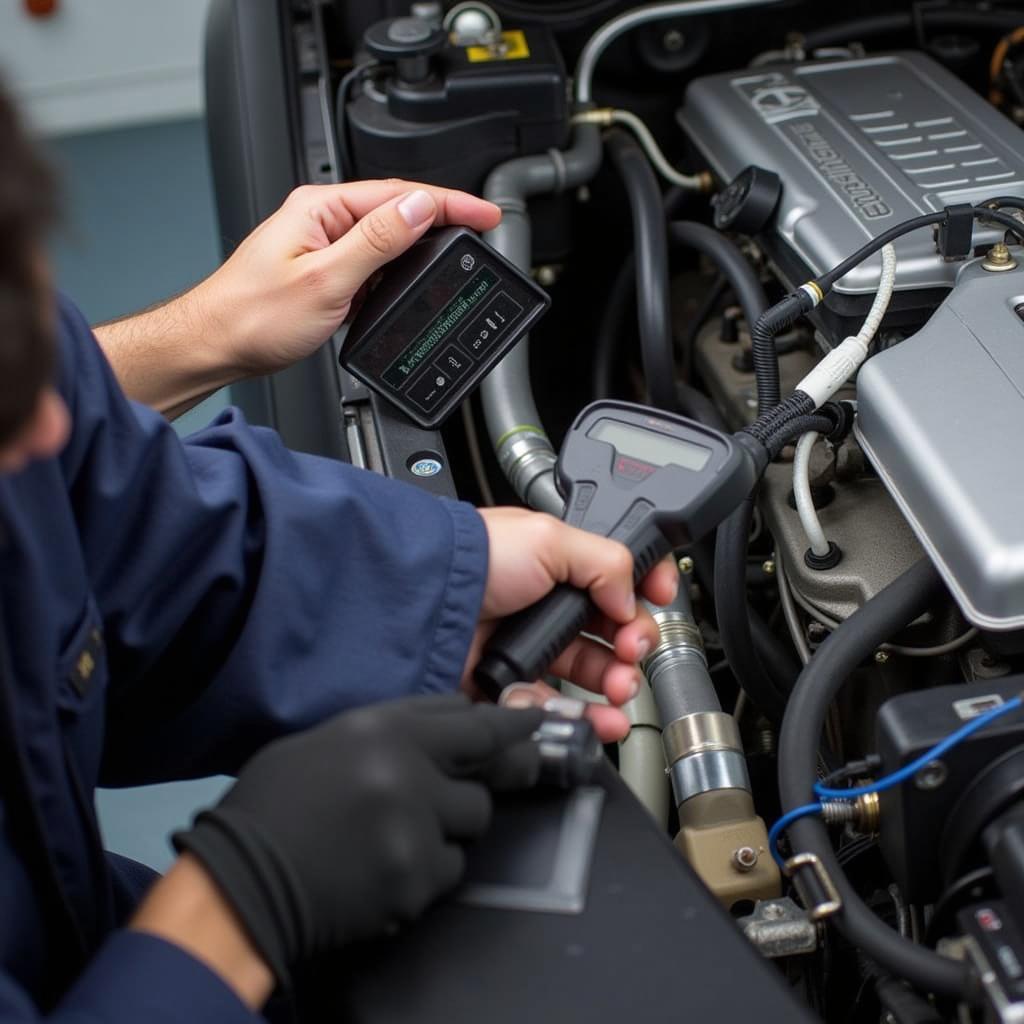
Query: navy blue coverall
(166,608)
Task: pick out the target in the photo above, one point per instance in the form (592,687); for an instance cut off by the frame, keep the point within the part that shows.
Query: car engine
(805,226)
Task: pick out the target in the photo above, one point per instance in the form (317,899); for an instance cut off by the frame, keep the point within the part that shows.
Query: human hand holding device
(336,834)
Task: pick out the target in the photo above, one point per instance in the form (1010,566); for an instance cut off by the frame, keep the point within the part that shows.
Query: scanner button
(430,389)
(453,363)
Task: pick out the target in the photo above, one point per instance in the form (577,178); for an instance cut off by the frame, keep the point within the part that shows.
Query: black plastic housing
(914,818)
(440,317)
(466,118)
(476,963)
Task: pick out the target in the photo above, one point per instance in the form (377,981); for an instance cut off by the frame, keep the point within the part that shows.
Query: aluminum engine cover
(941,417)
(860,145)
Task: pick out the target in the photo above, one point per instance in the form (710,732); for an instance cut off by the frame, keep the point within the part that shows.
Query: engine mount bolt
(932,775)
(816,632)
(686,565)
(999,258)
(881,657)
(745,859)
(768,567)
(673,40)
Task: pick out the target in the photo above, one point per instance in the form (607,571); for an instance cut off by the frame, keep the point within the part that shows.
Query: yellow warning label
(512,47)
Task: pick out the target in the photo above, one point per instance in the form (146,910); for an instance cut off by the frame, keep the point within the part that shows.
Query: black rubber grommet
(822,562)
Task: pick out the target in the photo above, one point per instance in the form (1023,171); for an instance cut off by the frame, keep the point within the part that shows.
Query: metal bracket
(821,898)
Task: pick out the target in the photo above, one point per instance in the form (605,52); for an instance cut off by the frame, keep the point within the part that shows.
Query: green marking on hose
(522,428)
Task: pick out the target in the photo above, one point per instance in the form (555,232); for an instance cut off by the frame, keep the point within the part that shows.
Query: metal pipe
(720,832)
(702,744)
(611,30)
(677,668)
(524,452)
(641,760)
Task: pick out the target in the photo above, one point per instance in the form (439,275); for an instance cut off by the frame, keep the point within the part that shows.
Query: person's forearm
(187,909)
(169,357)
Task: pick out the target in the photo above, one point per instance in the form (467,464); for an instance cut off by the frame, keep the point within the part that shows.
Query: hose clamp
(707,772)
(700,733)
(814,886)
(675,629)
(524,456)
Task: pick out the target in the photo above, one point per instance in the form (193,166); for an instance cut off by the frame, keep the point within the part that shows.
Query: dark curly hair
(28,208)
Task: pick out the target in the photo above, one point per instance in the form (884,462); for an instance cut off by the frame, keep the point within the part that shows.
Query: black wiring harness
(773,412)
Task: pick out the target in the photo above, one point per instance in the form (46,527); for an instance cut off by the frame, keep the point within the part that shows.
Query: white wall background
(104,63)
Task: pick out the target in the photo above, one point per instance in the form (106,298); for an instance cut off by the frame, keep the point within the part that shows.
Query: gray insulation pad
(860,145)
(941,416)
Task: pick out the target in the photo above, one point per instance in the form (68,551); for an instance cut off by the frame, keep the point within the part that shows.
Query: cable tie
(955,240)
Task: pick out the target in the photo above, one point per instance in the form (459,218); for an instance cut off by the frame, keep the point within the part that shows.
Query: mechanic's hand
(291,283)
(341,832)
(530,553)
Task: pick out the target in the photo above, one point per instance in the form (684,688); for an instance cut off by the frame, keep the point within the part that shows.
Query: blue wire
(910,770)
(783,823)
(888,781)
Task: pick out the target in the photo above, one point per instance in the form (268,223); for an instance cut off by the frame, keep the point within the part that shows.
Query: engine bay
(803,227)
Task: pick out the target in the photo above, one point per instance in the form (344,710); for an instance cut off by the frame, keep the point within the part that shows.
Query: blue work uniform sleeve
(247,590)
(134,978)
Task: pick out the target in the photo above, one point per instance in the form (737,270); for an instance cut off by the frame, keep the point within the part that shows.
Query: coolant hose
(609,333)
(859,29)
(523,450)
(641,759)
(850,644)
(734,615)
(650,245)
(729,261)
(691,401)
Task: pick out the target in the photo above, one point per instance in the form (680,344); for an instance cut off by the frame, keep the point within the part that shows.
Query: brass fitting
(999,258)
(867,814)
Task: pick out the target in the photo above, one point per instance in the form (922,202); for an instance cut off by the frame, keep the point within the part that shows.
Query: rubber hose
(903,21)
(903,1004)
(612,326)
(650,245)
(734,616)
(780,662)
(851,643)
(699,407)
(729,261)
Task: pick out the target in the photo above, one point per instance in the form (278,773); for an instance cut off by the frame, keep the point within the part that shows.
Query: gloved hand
(335,834)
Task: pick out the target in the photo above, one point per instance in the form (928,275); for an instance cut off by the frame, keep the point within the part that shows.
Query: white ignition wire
(802,492)
(845,359)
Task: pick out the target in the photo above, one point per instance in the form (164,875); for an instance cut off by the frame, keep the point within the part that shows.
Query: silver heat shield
(941,417)
(860,145)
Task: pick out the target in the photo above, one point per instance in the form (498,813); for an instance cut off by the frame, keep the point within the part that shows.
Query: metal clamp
(821,899)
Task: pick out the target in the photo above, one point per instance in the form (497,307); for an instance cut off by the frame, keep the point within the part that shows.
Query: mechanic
(171,609)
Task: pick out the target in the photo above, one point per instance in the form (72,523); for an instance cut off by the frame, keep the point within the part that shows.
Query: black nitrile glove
(338,833)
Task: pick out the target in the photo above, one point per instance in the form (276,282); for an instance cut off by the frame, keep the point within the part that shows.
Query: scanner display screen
(455,313)
(650,446)
(438,318)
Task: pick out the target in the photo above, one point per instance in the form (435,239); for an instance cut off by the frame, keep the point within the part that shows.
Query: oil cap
(747,203)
